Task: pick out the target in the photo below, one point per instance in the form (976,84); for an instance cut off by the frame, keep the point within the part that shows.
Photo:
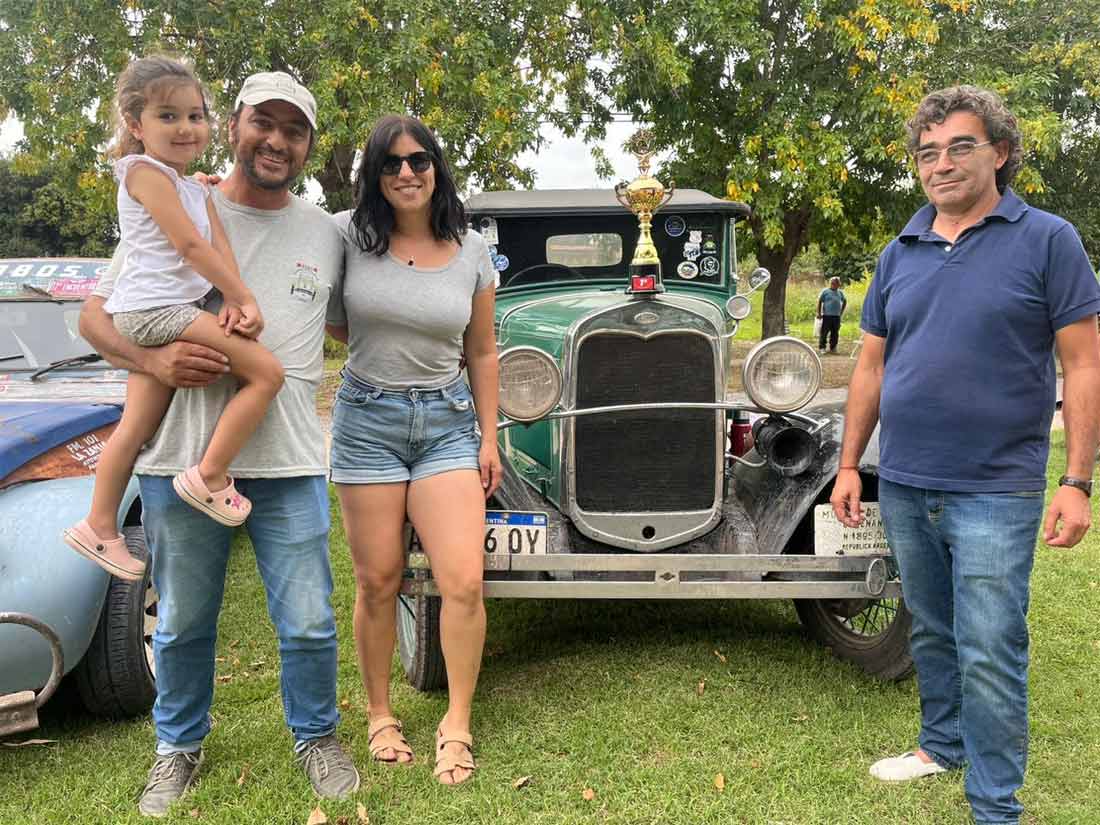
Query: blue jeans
(965,561)
(289,530)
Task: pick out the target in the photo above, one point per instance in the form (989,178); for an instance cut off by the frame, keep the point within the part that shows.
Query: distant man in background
(830,306)
(957,364)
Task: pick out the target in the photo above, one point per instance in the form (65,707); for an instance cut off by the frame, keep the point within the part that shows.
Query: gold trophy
(643,196)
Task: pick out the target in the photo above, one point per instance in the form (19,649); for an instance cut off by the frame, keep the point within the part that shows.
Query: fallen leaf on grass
(194,813)
(257,663)
(234,643)
(244,776)
(343,820)
(345,704)
(720,782)
(755,764)
(361,813)
(27,742)
(219,659)
(588,794)
(317,817)
(236,663)
(721,658)
(802,717)
(1096,644)
(226,678)
(699,688)
(522,782)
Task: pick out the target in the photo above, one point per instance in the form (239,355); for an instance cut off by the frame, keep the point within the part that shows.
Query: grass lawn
(643,705)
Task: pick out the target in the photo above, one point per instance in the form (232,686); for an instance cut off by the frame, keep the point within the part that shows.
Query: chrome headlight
(781,374)
(530,383)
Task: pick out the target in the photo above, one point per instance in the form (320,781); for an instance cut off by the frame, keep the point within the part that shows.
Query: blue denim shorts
(382,436)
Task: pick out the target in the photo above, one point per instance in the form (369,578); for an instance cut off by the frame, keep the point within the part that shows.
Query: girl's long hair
(373,218)
(144,80)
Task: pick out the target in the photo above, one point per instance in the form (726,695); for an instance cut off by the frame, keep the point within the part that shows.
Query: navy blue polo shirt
(969,381)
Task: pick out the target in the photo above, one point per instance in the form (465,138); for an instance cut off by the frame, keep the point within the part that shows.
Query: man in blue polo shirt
(957,365)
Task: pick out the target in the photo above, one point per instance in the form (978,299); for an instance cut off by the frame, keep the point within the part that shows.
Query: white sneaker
(904,768)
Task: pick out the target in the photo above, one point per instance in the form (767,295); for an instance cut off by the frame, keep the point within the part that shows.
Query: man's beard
(269,184)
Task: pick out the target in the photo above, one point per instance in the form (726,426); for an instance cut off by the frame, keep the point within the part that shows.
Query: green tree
(483,73)
(42,215)
(797,106)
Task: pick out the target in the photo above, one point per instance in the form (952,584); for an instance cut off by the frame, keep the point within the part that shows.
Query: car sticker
(691,251)
(687,270)
(695,236)
(501,263)
(709,267)
(488,229)
(675,226)
(709,246)
(492,251)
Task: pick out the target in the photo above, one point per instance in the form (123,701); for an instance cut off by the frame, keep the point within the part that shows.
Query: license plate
(831,538)
(510,531)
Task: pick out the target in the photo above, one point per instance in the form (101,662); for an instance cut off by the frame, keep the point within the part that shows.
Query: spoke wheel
(872,633)
(418,639)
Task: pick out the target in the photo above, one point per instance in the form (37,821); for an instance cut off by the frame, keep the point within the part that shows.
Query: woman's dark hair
(373,219)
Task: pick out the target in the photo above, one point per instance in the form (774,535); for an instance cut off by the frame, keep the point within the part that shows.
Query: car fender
(41,576)
(777,504)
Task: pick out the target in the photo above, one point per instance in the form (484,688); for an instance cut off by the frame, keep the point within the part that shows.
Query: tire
(871,633)
(116,678)
(418,639)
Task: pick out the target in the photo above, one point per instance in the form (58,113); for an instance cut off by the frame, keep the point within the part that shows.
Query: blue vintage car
(58,404)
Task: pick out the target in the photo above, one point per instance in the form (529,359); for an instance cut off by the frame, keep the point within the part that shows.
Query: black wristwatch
(1082,484)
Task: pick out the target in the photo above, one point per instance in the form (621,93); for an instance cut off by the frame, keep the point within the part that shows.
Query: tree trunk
(778,262)
(335,179)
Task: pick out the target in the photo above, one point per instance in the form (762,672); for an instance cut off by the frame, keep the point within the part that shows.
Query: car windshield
(37,332)
(550,248)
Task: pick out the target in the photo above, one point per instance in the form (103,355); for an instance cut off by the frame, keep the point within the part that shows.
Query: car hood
(543,318)
(28,428)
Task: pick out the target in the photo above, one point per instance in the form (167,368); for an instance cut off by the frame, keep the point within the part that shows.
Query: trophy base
(645,279)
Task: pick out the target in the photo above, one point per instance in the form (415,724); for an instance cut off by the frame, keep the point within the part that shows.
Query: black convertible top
(590,201)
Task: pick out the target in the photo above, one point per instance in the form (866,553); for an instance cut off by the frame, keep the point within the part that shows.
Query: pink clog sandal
(110,554)
(226,506)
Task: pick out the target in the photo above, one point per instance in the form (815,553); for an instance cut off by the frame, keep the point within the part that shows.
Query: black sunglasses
(418,162)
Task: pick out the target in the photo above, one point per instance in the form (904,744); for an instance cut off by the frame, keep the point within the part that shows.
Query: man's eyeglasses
(418,162)
(956,151)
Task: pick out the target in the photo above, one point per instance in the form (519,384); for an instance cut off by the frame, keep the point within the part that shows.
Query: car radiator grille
(651,460)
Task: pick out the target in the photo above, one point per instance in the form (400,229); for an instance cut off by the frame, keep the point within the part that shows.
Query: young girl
(176,250)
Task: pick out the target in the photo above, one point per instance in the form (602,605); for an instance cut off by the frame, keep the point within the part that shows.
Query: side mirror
(759,278)
(738,306)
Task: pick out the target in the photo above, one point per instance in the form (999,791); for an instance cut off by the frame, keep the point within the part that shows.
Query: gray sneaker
(169,777)
(331,773)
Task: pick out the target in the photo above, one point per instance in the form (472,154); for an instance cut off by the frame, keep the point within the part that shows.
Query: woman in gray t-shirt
(409,439)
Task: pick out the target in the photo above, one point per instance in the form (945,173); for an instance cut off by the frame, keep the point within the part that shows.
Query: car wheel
(871,633)
(117,676)
(418,639)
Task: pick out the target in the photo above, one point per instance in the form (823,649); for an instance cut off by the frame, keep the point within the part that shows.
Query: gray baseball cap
(263,86)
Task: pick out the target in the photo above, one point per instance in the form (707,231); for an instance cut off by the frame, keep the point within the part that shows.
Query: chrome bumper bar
(873,580)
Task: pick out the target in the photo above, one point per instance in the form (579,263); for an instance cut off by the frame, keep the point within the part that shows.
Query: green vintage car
(630,470)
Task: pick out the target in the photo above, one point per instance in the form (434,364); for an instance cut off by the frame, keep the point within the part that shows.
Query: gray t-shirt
(405,323)
(291,259)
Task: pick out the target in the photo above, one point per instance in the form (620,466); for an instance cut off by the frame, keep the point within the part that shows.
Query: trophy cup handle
(620,194)
(668,193)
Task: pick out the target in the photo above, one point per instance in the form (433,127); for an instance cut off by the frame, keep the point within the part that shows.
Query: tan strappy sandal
(401,746)
(446,762)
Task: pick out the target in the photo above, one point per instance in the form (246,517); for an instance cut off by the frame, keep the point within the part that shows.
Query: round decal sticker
(709,246)
(687,270)
(501,263)
(709,267)
(675,226)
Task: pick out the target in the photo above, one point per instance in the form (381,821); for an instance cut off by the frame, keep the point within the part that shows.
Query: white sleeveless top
(154,274)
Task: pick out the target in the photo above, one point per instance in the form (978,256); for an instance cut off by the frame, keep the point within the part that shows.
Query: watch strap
(1082,484)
